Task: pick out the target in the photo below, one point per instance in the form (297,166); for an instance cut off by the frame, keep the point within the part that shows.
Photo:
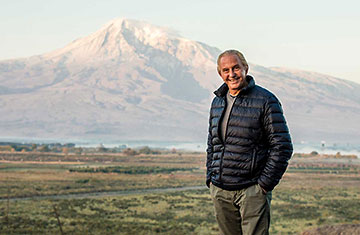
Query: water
(304,147)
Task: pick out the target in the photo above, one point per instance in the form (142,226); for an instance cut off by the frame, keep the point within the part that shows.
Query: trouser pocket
(255,211)
(260,189)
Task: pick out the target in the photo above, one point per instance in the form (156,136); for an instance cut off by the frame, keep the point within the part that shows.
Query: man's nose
(232,74)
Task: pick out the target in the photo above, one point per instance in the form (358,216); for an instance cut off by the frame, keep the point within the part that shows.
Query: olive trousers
(245,211)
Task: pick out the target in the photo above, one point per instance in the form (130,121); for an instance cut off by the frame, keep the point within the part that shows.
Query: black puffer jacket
(257,144)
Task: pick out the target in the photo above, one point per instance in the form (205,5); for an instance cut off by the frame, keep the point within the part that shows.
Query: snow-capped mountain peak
(134,80)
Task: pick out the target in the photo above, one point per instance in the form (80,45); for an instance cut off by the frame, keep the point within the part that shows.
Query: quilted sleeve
(279,142)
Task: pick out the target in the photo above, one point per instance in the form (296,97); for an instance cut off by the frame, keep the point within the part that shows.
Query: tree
(44,148)
(129,152)
(145,150)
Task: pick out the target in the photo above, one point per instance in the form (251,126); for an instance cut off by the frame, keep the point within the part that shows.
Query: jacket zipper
(222,114)
(226,130)
(223,141)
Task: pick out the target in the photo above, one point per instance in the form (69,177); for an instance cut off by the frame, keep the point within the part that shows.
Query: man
(248,149)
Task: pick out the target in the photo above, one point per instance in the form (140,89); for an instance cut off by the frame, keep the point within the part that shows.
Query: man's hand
(264,191)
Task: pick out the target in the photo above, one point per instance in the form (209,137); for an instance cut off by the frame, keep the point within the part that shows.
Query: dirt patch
(43,162)
(342,229)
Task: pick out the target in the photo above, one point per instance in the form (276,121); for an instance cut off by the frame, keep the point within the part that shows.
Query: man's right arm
(209,153)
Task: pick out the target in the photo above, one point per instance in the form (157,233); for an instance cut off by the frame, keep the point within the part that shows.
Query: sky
(313,35)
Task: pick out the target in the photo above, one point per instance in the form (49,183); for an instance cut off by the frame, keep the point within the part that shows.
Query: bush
(129,152)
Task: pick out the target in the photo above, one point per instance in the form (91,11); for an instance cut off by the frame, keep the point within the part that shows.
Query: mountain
(131,80)
(318,107)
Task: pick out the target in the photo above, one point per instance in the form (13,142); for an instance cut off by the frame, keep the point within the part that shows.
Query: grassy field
(314,192)
(33,175)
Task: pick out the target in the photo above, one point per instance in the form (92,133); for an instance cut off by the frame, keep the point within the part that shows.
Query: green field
(312,193)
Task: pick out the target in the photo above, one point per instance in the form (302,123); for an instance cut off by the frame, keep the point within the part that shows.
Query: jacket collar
(222,90)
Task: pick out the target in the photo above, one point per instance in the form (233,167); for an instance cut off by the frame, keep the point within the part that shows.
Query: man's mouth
(233,79)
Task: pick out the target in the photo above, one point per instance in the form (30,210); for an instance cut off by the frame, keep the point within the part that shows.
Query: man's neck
(234,92)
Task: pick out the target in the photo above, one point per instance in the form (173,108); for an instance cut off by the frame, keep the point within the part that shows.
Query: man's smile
(235,79)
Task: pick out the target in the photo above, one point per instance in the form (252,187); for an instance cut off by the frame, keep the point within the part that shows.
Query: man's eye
(236,68)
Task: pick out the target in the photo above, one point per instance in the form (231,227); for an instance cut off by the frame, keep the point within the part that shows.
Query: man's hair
(233,52)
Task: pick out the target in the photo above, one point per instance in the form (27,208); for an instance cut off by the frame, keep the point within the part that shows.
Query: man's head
(232,68)
(233,52)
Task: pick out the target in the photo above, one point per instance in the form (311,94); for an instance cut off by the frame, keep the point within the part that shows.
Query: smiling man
(249,146)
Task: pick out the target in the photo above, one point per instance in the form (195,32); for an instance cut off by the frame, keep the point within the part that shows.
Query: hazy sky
(316,35)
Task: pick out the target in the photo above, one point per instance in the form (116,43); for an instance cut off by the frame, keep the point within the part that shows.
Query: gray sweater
(223,123)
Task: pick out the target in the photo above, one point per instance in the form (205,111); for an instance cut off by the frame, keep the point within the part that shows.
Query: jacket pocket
(253,161)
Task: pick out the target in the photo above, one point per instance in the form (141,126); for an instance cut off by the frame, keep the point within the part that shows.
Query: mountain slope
(318,107)
(131,80)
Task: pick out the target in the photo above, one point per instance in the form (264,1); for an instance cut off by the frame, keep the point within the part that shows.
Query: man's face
(233,73)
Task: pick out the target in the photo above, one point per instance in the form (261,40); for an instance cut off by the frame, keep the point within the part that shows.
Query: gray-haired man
(248,149)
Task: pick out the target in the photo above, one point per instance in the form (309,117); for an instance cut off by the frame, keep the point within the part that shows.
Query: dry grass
(302,201)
